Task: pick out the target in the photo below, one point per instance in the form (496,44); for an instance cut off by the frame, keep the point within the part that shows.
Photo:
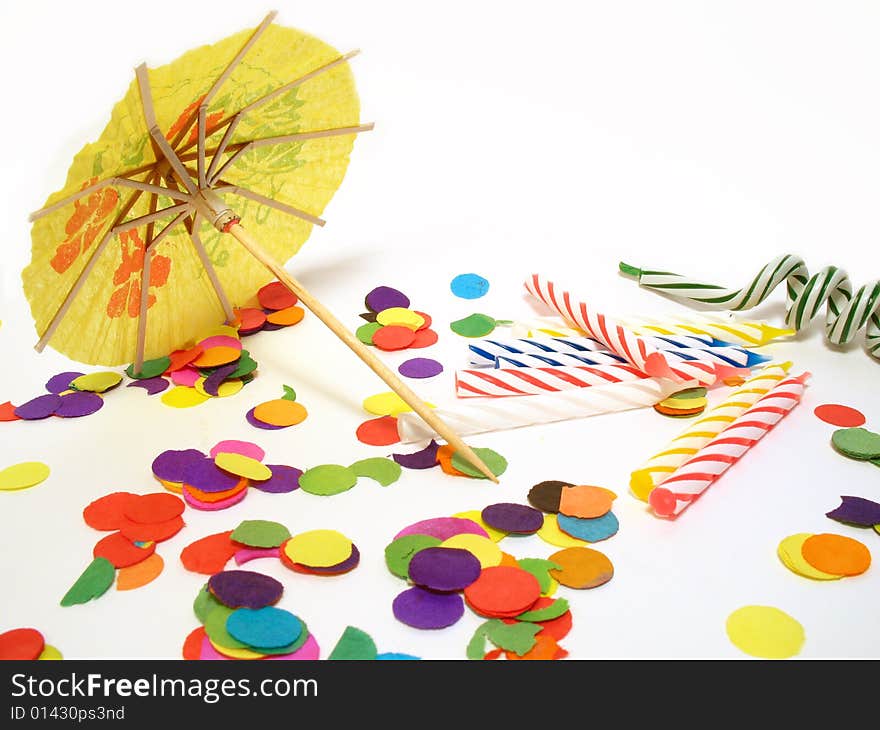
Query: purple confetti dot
(384,297)
(61,382)
(424,609)
(284,479)
(206,476)
(75,405)
(508,517)
(171,466)
(215,380)
(444,569)
(424,459)
(40,407)
(856,511)
(153,386)
(420,367)
(350,563)
(256,422)
(245,589)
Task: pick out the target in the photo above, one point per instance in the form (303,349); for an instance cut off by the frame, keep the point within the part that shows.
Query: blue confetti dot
(264,628)
(469,286)
(591,530)
(395,656)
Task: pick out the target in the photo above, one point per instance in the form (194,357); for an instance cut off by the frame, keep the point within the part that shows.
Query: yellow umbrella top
(264,119)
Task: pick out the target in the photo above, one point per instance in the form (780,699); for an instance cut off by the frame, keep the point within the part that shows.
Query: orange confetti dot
(215,356)
(545,648)
(508,560)
(502,591)
(135,576)
(280,412)
(585,501)
(286,317)
(836,554)
(444,458)
(217,496)
(581,567)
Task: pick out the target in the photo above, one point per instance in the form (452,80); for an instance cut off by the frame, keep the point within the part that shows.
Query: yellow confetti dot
(789,552)
(230,387)
(476,516)
(176,487)
(182,396)
(22,476)
(765,632)
(388,404)
(224,329)
(243,466)
(554,584)
(482,548)
(400,317)
(318,548)
(49,652)
(97,382)
(236,653)
(551,534)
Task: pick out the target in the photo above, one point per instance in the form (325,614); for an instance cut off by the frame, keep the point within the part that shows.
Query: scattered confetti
(93,583)
(791,555)
(327,479)
(380,431)
(474,325)
(420,367)
(765,632)
(684,403)
(382,470)
(836,554)
(23,476)
(469,286)
(838,415)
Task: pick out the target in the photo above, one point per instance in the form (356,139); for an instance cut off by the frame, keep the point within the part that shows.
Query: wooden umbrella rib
(157,239)
(221,148)
(203,180)
(269,202)
(210,270)
(145,279)
(149,218)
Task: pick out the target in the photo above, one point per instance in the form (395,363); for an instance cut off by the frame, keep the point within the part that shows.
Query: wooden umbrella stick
(360,349)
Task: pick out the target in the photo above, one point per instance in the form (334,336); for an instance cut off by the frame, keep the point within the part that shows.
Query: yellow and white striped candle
(662,464)
(722,327)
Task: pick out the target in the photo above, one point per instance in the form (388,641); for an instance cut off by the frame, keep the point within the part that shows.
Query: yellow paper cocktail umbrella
(212,170)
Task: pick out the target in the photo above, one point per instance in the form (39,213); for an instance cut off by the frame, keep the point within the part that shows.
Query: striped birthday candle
(501,382)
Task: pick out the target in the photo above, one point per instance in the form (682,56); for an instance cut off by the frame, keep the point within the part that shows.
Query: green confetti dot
(289,393)
(385,471)
(399,552)
(548,613)
(366,331)
(246,365)
(150,369)
(475,325)
(354,644)
(204,604)
(327,479)
(93,583)
(857,443)
(215,628)
(689,393)
(476,648)
(518,638)
(496,462)
(541,570)
(260,533)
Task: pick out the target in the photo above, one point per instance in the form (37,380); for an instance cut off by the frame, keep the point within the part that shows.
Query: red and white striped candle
(500,382)
(697,474)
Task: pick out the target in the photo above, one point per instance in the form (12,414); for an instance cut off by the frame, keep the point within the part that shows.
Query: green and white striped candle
(846,312)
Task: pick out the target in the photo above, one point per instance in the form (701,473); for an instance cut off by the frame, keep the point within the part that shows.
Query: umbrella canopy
(123,255)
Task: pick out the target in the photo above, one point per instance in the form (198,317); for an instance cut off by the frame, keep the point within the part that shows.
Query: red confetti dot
(502,591)
(393,337)
(192,645)
(121,551)
(276,296)
(7,412)
(424,338)
(838,415)
(21,644)
(379,431)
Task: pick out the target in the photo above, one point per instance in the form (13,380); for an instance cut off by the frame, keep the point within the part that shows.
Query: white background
(553,137)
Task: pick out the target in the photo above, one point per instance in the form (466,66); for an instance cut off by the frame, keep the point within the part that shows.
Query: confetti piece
(482,548)
(327,479)
(233,446)
(154,532)
(350,563)
(836,554)
(515,518)
(444,569)
(423,609)
(838,415)
(246,365)
(582,567)
(108,512)
(423,459)
(93,583)
(245,555)
(559,627)
(150,508)
(541,570)
(150,368)
(38,408)
(592,529)
(546,496)
(222,390)
(276,296)
(285,317)
(7,412)
(280,412)
(366,331)
(185,377)
(552,535)
(476,516)
(387,404)
(549,610)
(237,496)
(393,337)
(400,317)
(25,644)
(424,338)
(135,576)
(384,471)
(497,464)
(469,286)
(181,358)
(50,653)
(23,476)
(378,431)
(354,644)
(256,423)
(171,465)
(284,479)
(585,501)
(442,528)
(475,325)
(59,383)
(502,591)
(153,386)
(393,655)
(518,637)
(243,466)
(120,551)
(791,555)
(183,397)
(420,367)
(765,632)
(192,645)
(244,589)
(97,382)
(204,604)
(206,475)
(857,443)
(210,554)
(401,550)
(852,511)
(264,628)
(260,534)
(385,297)
(318,548)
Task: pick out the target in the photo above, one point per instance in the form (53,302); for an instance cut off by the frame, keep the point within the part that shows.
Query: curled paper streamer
(499,382)
(662,464)
(845,312)
(500,414)
(697,474)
